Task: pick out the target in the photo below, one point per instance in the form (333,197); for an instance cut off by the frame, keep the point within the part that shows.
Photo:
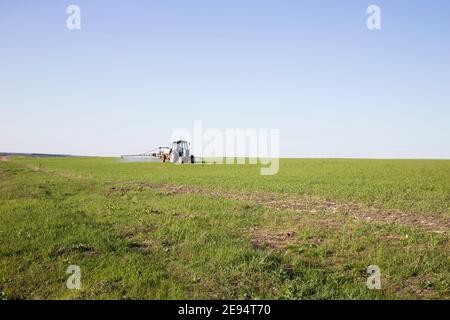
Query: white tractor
(181,152)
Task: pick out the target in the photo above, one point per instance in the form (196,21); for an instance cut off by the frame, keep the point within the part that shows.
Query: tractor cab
(181,152)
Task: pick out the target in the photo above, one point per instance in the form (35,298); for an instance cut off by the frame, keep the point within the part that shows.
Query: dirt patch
(4,159)
(262,238)
(133,231)
(124,188)
(82,248)
(117,190)
(420,285)
(107,286)
(267,238)
(141,245)
(137,237)
(357,211)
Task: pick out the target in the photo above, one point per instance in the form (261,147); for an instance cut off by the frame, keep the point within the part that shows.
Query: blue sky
(137,70)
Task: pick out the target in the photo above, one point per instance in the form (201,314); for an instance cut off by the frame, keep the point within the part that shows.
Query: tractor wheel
(192,159)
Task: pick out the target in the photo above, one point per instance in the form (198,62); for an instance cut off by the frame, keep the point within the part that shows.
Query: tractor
(180,152)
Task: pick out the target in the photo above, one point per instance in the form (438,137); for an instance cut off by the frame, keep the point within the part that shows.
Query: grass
(137,241)
(411,185)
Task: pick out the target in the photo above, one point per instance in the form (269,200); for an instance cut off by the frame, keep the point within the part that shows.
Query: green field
(164,231)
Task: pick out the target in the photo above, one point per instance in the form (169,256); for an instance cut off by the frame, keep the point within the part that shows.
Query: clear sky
(137,70)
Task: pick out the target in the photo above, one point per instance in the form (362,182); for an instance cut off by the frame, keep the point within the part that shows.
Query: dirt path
(284,202)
